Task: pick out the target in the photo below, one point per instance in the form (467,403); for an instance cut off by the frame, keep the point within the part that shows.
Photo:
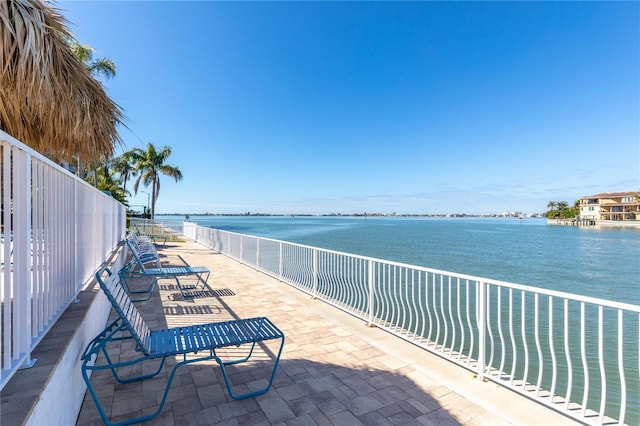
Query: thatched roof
(48,99)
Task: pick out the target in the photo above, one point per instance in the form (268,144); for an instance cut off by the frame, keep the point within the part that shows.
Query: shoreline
(597,224)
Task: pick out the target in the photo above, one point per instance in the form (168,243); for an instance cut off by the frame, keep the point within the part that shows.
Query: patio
(334,369)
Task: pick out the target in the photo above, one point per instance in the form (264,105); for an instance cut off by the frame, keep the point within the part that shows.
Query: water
(596,262)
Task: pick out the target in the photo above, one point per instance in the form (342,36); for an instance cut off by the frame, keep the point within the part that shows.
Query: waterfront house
(611,206)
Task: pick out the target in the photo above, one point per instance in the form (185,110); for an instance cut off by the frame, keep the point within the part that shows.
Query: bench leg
(227,382)
(193,291)
(97,346)
(147,291)
(100,346)
(162,401)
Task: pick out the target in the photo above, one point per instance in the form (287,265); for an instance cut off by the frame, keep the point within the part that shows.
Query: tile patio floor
(334,369)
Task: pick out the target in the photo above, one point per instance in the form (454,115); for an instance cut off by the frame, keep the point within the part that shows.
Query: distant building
(612,206)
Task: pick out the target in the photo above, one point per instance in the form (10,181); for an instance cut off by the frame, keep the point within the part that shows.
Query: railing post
(77,275)
(371,290)
(315,273)
(257,253)
(280,261)
(481,314)
(22,238)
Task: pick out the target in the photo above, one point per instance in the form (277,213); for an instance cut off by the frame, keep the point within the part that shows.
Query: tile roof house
(611,206)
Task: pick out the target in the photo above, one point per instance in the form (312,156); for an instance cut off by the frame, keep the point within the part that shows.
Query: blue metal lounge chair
(136,268)
(146,251)
(152,233)
(132,270)
(202,339)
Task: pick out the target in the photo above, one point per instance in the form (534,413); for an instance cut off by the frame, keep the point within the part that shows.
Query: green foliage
(104,67)
(562,210)
(108,181)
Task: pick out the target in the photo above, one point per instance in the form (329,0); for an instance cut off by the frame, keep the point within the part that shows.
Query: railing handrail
(37,156)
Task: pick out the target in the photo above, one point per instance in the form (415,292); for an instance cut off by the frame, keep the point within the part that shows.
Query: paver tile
(274,407)
(344,418)
(375,418)
(364,404)
(304,420)
(438,417)
(391,394)
(206,416)
(295,391)
(326,403)
(324,383)
(302,406)
(320,418)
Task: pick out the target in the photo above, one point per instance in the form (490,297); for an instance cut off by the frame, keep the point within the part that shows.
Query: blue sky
(351,107)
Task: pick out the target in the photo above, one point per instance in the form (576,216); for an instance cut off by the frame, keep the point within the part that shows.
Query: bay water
(592,261)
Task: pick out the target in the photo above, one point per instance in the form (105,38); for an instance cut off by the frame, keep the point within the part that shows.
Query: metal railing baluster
(513,339)
(554,365)
(603,377)
(583,355)
(460,324)
(623,387)
(536,316)
(523,330)
(438,312)
(567,351)
(452,322)
(500,334)
(470,328)
(488,330)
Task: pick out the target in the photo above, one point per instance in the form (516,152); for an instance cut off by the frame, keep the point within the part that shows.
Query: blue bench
(136,268)
(201,339)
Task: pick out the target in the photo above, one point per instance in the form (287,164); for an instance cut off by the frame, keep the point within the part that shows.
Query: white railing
(577,355)
(56,231)
(157,228)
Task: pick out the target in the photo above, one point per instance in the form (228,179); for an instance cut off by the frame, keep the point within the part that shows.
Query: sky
(377,107)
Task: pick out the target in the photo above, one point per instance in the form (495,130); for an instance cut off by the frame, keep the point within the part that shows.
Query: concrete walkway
(334,369)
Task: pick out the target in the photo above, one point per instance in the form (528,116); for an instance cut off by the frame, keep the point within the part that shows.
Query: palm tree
(562,207)
(104,67)
(551,206)
(122,165)
(149,164)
